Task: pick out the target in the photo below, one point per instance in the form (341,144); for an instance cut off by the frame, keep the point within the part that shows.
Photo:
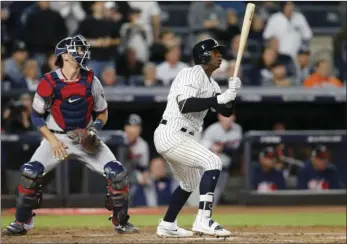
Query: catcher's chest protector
(73,102)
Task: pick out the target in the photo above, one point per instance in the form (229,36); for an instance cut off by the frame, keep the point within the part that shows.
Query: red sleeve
(44,89)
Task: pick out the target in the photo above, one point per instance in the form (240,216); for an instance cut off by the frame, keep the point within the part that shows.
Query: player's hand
(227,96)
(59,150)
(235,83)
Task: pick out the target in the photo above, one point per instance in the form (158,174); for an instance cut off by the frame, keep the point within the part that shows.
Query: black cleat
(15,229)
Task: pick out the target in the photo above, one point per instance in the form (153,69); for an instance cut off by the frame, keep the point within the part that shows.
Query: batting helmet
(201,50)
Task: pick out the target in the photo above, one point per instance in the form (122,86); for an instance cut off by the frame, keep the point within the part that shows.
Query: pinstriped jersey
(190,82)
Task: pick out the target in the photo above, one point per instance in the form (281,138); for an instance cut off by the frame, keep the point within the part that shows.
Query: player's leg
(29,190)
(117,188)
(192,154)
(189,180)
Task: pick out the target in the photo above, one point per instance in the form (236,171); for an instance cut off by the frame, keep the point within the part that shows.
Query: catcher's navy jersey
(69,103)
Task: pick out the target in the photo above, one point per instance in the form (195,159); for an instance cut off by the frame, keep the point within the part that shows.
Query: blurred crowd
(131,48)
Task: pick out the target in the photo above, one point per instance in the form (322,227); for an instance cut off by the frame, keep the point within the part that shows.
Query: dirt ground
(315,234)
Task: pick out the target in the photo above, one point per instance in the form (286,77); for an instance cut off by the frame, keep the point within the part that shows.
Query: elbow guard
(37,120)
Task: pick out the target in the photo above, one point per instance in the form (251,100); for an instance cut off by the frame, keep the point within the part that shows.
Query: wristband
(98,124)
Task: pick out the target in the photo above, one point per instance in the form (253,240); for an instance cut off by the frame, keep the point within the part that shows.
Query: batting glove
(227,96)
(235,83)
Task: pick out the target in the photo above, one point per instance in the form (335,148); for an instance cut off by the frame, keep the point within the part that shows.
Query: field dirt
(261,234)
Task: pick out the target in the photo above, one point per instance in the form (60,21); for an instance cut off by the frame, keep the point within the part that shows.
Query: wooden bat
(247,21)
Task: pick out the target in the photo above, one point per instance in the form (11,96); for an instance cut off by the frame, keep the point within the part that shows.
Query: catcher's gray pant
(186,157)
(96,162)
(222,181)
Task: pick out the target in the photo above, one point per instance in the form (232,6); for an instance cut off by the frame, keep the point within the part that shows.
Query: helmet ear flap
(205,57)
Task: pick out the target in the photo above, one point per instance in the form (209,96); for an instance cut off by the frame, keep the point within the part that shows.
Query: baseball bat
(247,21)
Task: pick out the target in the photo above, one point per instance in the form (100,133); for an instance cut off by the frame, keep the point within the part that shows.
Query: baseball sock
(178,199)
(207,186)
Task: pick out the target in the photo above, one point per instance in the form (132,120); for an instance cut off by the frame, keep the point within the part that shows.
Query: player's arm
(225,109)
(41,103)
(187,100)
(100,105)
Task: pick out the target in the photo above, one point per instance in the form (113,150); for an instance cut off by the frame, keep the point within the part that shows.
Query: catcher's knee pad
(117,195)
(214,163)
(28,192)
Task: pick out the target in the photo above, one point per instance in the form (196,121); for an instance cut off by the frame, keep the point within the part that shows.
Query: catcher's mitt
(87,138)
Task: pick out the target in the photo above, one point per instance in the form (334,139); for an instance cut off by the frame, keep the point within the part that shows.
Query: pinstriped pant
(186,157)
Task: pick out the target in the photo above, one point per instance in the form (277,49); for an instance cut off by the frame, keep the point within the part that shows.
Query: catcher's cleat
(16,228)
(128,228)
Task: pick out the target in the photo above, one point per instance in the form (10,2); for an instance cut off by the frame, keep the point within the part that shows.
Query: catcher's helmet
(201,50)
(77,46)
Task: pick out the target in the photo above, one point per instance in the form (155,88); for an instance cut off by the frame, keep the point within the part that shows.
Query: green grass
(260,219)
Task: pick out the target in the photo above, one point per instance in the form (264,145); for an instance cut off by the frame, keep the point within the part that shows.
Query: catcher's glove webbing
(87,138)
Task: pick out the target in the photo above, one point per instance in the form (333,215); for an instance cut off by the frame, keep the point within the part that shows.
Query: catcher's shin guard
(28,192)
(117,194)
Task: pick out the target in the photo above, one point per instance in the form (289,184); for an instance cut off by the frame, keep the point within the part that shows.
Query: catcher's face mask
(77,47)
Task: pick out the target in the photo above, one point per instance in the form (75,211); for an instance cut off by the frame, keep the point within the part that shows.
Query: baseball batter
(62,112)
(192,94)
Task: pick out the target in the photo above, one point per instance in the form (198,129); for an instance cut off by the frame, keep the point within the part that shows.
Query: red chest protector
(72,102)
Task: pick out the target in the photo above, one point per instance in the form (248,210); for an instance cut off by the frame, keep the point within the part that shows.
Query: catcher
(62,112)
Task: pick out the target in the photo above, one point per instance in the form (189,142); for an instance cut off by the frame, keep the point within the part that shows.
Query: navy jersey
(267,181)
(309,178)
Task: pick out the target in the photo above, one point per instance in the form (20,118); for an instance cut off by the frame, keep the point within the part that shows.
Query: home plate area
(147,235)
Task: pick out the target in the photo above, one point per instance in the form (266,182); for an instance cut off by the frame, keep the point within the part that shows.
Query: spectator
(109,78)
(71,12)
(150,18)
(265,177)
(5,79)
(112,12)
(44,28)
(303,65)
(156,188)
(318,173)
(283,58)
(279,74)
(168,70)
(17,115)
(50,64)
(137,160)
(262,74)
(158,50)
(130,65)
(232,53)
(266,9)
(135,35)
(233,28)
(15,64)
(321,76)
(31,74)
(291,29)
(223,138)
(256,31)
(103,36)
(340,53)
(207,17)
(150,76)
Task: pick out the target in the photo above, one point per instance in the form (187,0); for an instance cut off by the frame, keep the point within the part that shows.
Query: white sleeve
(216,88)
(100,103)
(305,29)
(189,82)
(270,28)
(39,104)
(155,9)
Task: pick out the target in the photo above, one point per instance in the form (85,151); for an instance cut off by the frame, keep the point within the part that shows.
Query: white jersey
(190,82)
(41,105)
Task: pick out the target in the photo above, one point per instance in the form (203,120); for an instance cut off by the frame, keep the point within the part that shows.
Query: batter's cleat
(171,230)
(17,228)
(207,226)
